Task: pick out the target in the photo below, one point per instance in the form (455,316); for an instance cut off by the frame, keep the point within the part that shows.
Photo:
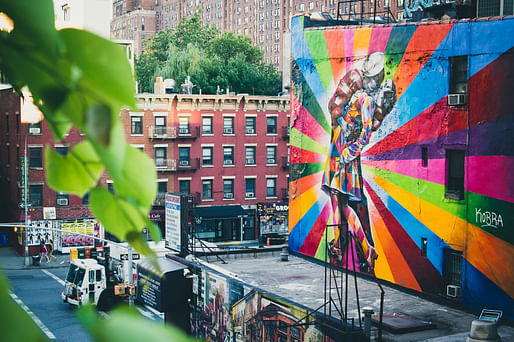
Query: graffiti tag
(488,218)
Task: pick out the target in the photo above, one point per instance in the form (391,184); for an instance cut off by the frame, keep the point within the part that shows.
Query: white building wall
(91,15)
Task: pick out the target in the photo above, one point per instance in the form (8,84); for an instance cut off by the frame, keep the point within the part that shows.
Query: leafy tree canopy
(212,60)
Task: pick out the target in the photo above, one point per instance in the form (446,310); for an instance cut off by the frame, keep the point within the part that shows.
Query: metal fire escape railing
(356,11)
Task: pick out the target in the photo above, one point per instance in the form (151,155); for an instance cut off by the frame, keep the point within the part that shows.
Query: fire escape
(364,12)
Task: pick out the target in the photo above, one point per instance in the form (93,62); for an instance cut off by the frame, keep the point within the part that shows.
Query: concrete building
(91,15)
(228,151)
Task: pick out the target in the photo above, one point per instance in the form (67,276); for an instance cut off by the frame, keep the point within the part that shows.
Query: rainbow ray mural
(407,131)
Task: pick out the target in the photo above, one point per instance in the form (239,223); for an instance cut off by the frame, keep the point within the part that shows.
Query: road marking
(59,280)
(36,320)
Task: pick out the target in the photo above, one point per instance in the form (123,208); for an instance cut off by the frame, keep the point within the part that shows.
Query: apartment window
(85,199)
(66,11)
(110,187)
(228,125)
(250,125)
(459,75)
(207,125)
(8,154)
(183,155)
(424,245)
(162,187)
(62,199)
(7,125)
(62,150)
(302,7)
(207,156)
(183,125)
(228,188)
(228,155)
(271,187)
(250,155)
(35,157)
(136,125)
(207,189)
(452,269)
(271,154)
(184,186)
(250,187)
(36,195)
(160,125)
(160,156)
(455,174)
(424,156)
(271,125)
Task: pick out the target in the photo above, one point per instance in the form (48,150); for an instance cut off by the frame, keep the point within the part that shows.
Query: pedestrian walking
(43,250)
(51,250)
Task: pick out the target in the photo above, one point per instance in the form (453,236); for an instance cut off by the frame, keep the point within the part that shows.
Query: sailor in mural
(359,104)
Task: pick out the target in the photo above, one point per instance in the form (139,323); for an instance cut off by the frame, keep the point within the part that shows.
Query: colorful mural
(373,137)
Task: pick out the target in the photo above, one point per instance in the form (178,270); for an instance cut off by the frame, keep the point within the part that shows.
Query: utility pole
(25,195)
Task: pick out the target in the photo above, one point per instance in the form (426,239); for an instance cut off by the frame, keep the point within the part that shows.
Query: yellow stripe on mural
(485,252)
(361,42)
(301,204)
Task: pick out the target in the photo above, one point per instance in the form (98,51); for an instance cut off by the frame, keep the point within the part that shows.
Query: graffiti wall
(406,133)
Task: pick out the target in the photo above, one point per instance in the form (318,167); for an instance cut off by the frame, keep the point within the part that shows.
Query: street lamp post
(25,195)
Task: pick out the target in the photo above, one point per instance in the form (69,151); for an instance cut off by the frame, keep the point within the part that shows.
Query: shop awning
(220,211)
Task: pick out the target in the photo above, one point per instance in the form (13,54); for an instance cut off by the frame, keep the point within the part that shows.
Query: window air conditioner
(228,195)
(62,201)
(456,99)
(250,161)
(250,195)
(183,131)
(228,130)
(270,161)
(183,162)
(453,291)
(34,130)
(227,162)
(250,131)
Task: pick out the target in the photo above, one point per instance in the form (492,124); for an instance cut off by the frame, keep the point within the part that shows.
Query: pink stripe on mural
(348,47)
(379,38)
(435,172)
(491,176)
(307,125)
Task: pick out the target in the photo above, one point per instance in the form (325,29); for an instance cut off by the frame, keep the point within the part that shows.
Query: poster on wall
(70,234)
(39,230)
(173,238)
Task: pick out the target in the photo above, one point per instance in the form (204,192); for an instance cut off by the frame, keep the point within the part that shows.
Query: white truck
(103,281)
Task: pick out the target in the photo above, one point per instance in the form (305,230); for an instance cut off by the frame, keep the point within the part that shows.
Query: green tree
(192,31)
(228,45)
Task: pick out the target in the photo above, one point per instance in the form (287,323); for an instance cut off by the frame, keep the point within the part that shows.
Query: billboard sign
(173,222)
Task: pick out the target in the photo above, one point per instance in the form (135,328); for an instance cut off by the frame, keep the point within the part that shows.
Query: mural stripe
(335,46)
(307,126)
(298,171)
(478,241)
(419,50)
(298,234)
(361,42)
(313,238)
(495,210)
(421,272)
(303,59)
(318,48)
(297,138)
(501,186)
(379,38)
(304,193)
(396,45)
(348,47)
(298,155)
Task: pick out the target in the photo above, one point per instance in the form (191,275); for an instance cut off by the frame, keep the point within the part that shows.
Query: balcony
(285,162)
(166,132)
(285,132)
(159,199)
(285,194)
(176,164)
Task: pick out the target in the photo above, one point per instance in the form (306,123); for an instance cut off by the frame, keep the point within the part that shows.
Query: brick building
(230,152)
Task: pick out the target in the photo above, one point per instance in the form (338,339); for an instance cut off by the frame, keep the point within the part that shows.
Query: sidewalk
(10,259)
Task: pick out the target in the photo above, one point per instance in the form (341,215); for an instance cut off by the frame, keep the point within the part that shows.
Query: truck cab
(84,283)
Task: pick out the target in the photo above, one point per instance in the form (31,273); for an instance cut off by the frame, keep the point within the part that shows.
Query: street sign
(135,256)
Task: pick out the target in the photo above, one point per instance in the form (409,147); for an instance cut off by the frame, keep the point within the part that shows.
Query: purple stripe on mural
(379,38)
(434,173)
(491,176)
(348,47)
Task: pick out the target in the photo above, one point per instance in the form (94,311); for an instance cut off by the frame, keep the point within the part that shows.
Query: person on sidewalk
(44,251)
(51,250)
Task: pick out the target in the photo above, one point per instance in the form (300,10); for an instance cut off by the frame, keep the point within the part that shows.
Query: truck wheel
(107,300)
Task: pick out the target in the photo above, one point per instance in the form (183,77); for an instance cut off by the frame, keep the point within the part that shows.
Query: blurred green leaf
(154,230)
(125,324)
(76,173)
(131,185)
(98,123)
(117,215)
(112,82)
(139,243)
(15,324)
(113,156)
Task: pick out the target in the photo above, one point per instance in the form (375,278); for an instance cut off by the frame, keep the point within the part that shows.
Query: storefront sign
(172,222)
(149,288)
(157,215)
(272,208)
(49,213)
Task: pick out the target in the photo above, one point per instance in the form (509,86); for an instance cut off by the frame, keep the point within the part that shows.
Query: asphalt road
(38,291)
